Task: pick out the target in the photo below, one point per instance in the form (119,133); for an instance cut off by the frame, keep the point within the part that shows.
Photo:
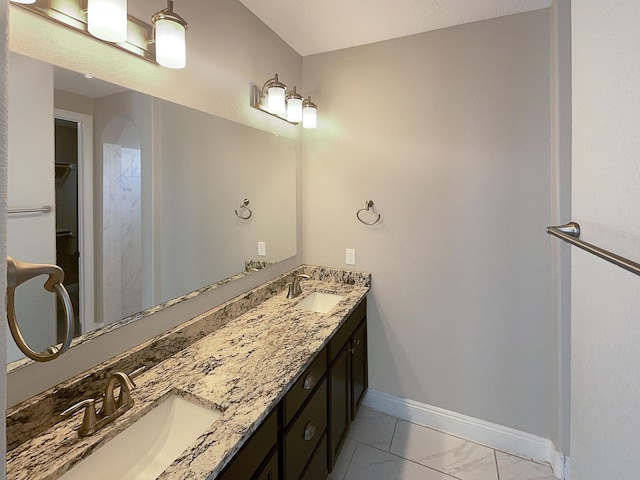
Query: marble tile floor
(381,447)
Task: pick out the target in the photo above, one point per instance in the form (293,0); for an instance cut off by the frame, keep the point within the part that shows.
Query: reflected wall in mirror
(144,194)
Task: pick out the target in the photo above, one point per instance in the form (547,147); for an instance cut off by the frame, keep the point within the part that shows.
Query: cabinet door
(270,470)
(339,402)
(359,371)
(317,469)
(247,462)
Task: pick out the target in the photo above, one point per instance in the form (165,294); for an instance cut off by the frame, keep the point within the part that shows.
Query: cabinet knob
(309,431)
(309,381)
(356,342)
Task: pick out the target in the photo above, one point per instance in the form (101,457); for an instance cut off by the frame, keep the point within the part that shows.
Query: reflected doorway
(74,215)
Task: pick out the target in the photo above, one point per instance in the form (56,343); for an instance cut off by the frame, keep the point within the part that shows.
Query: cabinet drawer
(248,459)
(305,385)
(343,335)
(305,432)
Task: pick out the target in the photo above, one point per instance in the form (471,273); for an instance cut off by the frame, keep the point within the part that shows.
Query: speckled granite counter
(243,368)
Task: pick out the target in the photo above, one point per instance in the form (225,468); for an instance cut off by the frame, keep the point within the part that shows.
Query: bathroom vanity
(286,380)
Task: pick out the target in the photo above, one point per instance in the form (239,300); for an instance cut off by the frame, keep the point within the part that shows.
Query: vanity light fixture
(170,36)
(162,43)
(274,99)
(107,20)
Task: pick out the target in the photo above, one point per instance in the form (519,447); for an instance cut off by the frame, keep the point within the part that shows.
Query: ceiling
(317,26)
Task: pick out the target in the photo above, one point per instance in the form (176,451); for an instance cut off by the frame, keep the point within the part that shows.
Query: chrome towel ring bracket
(367,206)
(244,206)
(19,272)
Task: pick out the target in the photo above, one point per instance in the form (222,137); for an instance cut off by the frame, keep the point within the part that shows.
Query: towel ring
(19,272)
(244,205)
(368,204)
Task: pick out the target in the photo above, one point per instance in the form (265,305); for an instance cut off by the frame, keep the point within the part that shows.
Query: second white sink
(146,448)
(319,302)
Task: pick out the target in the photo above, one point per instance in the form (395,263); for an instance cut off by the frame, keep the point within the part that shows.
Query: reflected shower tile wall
(111,235)
(131,225)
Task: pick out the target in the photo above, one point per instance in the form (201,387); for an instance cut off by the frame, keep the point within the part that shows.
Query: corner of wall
(4,54)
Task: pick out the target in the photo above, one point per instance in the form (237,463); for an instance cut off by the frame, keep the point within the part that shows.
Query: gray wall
(605,310)
(448,132)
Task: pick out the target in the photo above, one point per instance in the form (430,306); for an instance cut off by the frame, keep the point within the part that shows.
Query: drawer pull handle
(309,382)
(309,431)
(356,342)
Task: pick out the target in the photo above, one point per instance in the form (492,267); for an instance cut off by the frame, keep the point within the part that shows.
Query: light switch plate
(351,256)
(262,249)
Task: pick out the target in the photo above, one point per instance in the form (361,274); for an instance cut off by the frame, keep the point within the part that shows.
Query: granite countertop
(243,369)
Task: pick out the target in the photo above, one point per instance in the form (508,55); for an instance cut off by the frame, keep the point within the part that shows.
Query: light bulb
(107,20)
(276,100)
(171,50)
(170,31)
(309,114)
(294,107)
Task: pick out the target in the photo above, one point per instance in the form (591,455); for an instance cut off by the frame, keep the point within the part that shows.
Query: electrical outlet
(351,256)
(262,249)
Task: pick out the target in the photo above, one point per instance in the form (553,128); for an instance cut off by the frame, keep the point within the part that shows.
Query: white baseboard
(490,434)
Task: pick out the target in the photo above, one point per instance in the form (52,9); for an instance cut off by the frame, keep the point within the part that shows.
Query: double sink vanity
(263,387)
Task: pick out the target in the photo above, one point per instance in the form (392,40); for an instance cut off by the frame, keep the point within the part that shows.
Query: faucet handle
(90,418)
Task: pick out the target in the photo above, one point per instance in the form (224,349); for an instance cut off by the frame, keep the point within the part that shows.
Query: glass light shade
(24,2)
(171,48)
(107,20)
(276,100)
(294,109)
(309,116)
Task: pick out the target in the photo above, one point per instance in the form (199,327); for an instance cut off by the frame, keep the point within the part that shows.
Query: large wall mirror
(149,200)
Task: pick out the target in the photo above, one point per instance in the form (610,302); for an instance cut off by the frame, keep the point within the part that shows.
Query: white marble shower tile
(373,428)
(516,468)
(369,463)
(461,458)
(111,234)
(130,221)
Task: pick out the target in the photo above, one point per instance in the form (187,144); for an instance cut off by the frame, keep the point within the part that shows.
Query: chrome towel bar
(45,209)
(571,233)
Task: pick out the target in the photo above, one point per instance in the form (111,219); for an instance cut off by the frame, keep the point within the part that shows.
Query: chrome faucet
(294,288)
(112,407)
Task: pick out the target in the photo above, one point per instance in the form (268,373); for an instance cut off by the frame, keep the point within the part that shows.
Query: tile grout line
(495,457)
(393,435)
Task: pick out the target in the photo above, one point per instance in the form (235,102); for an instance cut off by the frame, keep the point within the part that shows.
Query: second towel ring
(244,205)
(368,204)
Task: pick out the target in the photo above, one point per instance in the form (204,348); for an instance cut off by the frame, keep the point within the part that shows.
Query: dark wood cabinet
(270,469)
(348,378)
(255,459)
(303,435)
(359,367)
(305,432)
(339,404)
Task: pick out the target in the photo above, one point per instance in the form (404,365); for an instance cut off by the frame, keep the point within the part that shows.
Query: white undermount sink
(146,448)
(319,302)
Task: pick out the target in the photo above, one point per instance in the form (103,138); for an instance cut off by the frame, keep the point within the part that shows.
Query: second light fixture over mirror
(289,105)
